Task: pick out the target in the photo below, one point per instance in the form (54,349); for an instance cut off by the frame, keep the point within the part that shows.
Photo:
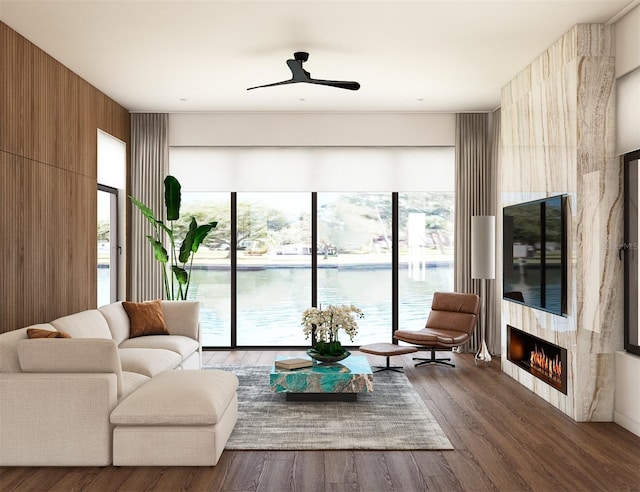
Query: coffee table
(338,381)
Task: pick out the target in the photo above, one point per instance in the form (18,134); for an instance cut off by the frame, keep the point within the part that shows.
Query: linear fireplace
(545,360)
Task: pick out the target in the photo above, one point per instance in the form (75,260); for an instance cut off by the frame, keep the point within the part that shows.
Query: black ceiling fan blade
(284,82)
(342,84)
(299,74)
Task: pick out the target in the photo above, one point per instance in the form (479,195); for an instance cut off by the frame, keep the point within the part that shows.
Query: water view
(273,300)
(354,240)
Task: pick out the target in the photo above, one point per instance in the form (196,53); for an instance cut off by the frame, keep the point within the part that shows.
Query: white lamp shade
(483,246)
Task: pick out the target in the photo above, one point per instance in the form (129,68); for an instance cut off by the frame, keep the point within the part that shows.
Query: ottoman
(178,418)
(387,350)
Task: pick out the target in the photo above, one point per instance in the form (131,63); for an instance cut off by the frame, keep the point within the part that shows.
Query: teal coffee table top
(348,377)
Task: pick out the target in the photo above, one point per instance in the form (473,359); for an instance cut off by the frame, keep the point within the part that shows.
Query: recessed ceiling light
(183,99)
(302,99)
(420,99)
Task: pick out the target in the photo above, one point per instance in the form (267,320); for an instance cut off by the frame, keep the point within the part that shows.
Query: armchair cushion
(428,337)
(450,323)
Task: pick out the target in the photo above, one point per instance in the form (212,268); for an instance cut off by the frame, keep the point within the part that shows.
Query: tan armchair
(450,324)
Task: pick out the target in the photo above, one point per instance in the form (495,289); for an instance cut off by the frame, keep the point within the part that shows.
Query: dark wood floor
(505,438)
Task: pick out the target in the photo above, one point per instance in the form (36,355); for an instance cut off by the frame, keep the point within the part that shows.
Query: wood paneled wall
(49,119)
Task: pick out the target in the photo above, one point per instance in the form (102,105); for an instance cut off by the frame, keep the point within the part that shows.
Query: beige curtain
(149,167)
(477,152)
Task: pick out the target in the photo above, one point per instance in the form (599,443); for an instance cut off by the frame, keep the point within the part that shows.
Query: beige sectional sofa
(62,400)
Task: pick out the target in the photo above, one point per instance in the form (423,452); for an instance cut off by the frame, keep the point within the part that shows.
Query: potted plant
(323,325)
(176,263)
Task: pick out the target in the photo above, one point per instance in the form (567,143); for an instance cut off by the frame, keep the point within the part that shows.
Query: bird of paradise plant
(176,264)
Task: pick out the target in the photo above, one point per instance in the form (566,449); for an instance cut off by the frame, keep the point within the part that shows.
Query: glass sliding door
(107,238)
(273,267)
(211,270)
(354,259)
(426,253)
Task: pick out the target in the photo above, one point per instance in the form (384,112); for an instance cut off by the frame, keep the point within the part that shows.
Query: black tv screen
(534,254)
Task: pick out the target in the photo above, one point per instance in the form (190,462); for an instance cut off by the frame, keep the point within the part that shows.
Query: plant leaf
(201,234)
(166,229)
(146,211)
(172,197)
(181,274)
(187,244)
(158,250)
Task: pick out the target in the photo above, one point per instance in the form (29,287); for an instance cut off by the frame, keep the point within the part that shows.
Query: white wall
(626,409)
(312,129)
(628,42)
(627,33)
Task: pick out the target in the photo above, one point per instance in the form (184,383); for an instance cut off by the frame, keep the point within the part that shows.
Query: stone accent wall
(558,137)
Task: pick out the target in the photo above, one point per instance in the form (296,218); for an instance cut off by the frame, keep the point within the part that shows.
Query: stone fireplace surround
(558,137)
(542,359)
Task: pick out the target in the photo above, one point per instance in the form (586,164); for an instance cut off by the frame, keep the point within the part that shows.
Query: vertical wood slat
(49,119)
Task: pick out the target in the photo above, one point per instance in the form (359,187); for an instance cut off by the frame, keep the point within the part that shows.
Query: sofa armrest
(71,355)
(53,419)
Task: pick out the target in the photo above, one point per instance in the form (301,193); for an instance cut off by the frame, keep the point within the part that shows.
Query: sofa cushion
(184,346)
(131,381)
(9,361)
(85,324)
(179,398)
(40,333)
(117,319)
(76,355)
(145,318)
(182,318)
(148,361)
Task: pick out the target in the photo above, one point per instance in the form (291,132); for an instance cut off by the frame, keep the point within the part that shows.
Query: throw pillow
(40,333)
(145,318)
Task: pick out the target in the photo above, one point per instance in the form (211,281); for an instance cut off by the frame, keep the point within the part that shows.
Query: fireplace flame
(550,367)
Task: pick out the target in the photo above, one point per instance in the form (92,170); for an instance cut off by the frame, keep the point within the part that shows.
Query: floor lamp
(483,267)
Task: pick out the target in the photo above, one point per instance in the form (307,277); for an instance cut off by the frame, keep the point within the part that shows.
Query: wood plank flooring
(505,439)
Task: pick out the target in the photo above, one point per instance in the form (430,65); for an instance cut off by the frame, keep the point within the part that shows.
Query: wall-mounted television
(535,254)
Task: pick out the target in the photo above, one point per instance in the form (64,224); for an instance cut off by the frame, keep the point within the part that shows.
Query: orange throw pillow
(145,318)
(40,333)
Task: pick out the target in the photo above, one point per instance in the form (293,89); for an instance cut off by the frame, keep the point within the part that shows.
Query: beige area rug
(392,417)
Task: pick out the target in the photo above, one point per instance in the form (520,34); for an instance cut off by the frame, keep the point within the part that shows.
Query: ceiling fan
(299,74)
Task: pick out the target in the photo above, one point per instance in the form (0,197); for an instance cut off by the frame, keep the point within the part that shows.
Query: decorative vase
(327,358)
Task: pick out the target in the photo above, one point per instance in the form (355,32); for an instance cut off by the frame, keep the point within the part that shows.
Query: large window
(370,227)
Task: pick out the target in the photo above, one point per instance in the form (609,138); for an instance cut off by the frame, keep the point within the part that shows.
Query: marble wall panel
(558,138)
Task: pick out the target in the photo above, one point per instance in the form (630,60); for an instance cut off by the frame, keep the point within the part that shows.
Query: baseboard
(627,423)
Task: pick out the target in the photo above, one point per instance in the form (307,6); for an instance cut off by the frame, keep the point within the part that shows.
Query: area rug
(392,417)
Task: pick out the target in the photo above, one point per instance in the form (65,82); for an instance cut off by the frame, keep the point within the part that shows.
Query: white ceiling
(180,55)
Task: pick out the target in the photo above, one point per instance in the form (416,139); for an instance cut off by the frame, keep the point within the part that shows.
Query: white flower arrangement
(326,322)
